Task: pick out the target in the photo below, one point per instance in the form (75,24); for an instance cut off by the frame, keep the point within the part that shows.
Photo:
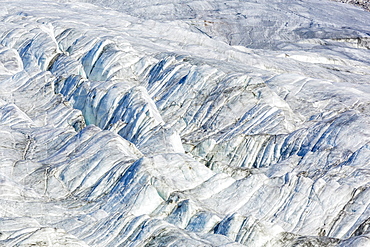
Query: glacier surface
(184,123)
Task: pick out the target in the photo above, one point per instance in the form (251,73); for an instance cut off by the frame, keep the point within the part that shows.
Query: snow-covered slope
(184,123)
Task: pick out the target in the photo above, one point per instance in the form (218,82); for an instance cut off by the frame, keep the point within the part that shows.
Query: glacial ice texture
(184,123)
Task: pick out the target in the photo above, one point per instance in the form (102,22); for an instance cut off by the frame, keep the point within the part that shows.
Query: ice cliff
(184,123)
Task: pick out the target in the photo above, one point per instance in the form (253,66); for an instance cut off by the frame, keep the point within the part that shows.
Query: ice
(184,123)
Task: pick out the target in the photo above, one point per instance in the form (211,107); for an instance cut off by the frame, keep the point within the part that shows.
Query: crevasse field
(184,123)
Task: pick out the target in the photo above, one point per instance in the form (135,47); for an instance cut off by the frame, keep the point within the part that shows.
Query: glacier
(184,123)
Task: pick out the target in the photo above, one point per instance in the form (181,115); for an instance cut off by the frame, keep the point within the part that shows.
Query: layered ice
(184,123)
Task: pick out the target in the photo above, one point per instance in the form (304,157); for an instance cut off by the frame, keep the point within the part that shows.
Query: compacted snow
(184,123)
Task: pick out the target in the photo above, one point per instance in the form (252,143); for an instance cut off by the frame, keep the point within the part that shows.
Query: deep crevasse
(130,128)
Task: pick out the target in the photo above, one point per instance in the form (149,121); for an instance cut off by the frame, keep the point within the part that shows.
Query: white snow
(184,123)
